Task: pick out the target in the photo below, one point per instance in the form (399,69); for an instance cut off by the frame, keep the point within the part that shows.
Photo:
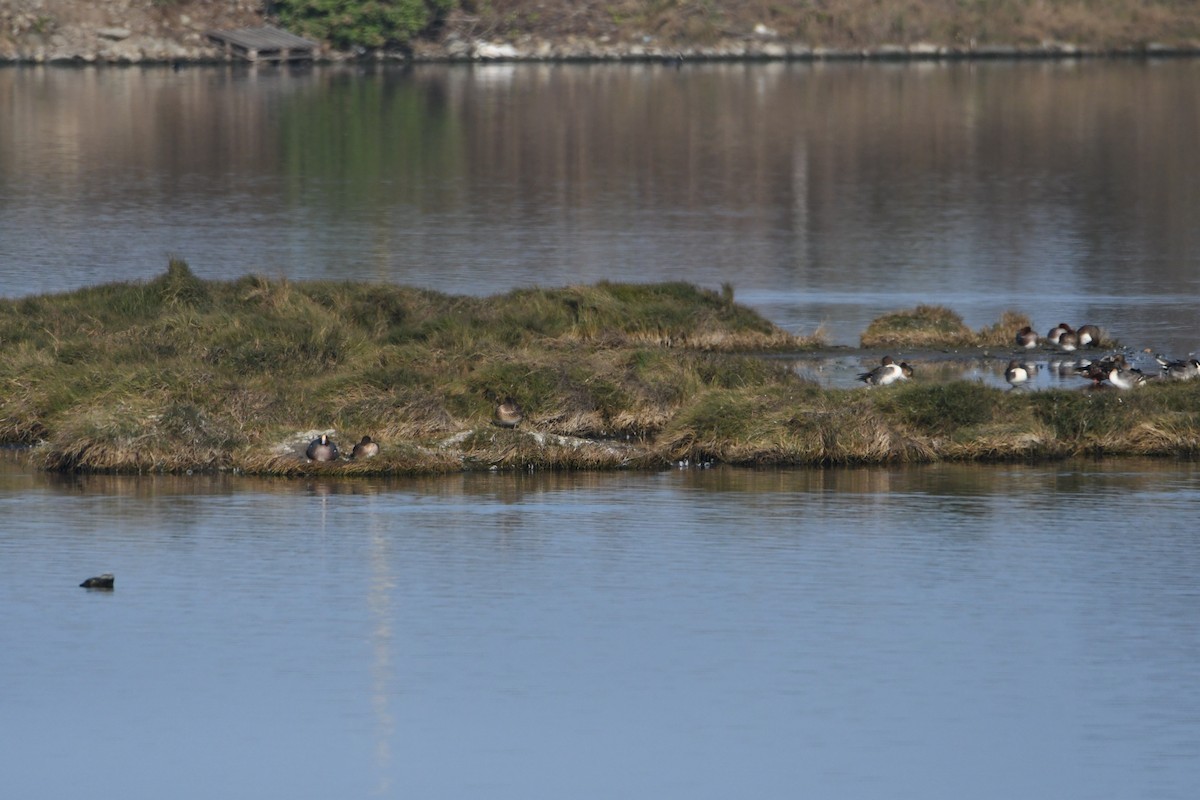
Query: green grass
(179,373)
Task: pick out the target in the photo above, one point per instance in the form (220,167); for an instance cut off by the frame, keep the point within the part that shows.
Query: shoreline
(520,31)
(117,46)
(169,53)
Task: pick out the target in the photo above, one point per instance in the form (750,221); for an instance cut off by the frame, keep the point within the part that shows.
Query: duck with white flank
(1017,374)
(1126,378)
(1056,332)
(1027,338)
(1179,370)
(1097,371)
(1068,340)
(1089,336)
(322,449)
(887,372)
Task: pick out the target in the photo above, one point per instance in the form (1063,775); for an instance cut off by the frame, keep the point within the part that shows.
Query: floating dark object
(104,581)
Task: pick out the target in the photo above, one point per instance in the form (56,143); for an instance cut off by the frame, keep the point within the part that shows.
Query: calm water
(827,194)
(941,632)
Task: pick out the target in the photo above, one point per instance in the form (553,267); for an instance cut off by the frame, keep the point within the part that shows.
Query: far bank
(175,31)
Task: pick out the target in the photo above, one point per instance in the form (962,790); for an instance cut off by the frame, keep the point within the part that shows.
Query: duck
(1068,340)
(1056,332)
(508,413)
(1179,370)
(1089,335)
(1098,371)
(1126,378)
(322,449)
(104,581)
(1017,374)
(1027,338)
(365,449)
(887,372)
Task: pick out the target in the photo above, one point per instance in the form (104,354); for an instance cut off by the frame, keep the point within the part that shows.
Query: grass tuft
(923,326)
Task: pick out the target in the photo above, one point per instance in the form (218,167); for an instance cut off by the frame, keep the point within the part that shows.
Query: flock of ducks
(1112,370)
(1062,336)
(508,414)
(324,449)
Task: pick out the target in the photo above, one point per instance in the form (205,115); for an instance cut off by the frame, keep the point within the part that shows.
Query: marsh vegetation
(180,373)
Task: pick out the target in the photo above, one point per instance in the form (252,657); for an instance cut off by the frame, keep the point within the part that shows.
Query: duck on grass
(180,373)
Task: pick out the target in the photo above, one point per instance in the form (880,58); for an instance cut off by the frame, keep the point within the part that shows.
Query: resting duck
(365,449)
(1027,338)
(508,414)
(1126,378)
(1098,371)
(887,372)
(1179,370)
(1068,340)
(1089,336)
(322,449)
(1056,332)
(104,581)
(1017,374)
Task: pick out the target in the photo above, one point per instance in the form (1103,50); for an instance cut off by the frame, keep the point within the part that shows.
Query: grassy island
(180,373)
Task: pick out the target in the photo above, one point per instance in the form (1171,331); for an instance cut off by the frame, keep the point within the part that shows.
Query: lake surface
(826,193)
(933,632)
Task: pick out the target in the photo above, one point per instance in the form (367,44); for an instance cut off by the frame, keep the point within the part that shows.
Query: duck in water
(1017,374)
(887,372)
(104,581)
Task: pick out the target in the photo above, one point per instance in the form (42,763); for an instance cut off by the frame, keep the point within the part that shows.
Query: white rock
(490,50)
(116,34)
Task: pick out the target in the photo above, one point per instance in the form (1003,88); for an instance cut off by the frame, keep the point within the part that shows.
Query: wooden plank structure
(263,44)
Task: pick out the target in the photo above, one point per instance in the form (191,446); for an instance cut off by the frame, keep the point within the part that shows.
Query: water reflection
(827,193)
(500,490)
(840,369)
(534,635)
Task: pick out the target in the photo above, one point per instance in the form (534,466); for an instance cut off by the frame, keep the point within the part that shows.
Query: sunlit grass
(182,374)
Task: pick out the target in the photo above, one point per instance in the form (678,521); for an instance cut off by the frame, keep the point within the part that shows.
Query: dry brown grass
(98,380)
(925,326)
(1100,24)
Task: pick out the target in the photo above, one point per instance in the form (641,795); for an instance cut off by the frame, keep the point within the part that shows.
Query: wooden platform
(263,44)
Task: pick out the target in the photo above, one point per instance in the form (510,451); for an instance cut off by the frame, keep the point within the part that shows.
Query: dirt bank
(135,31)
